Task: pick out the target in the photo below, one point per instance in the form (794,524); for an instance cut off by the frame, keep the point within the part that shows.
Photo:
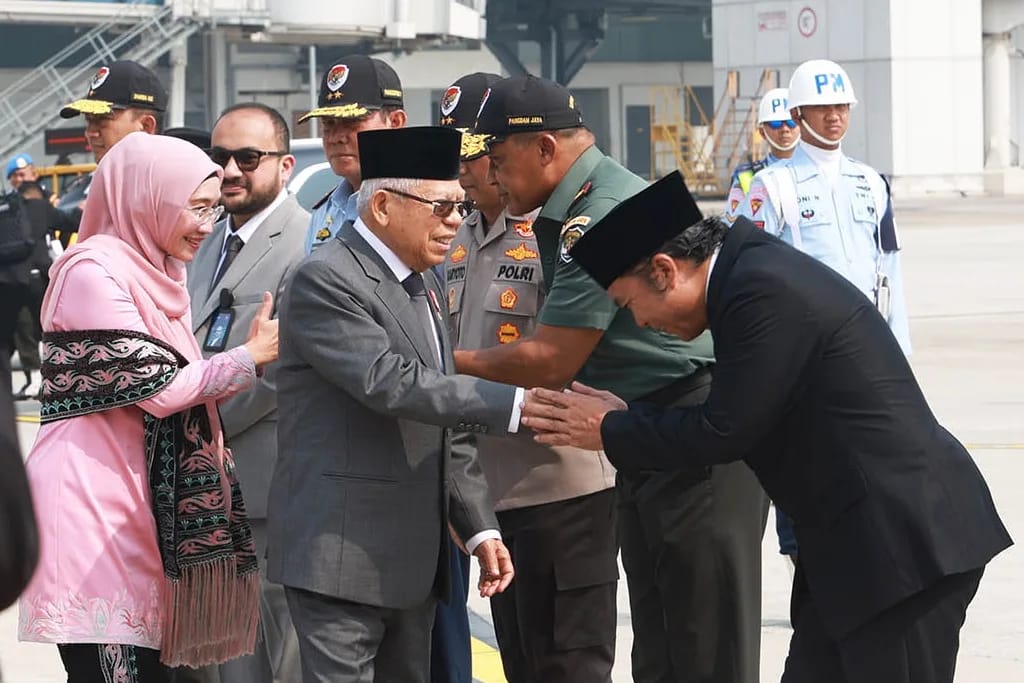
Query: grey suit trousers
(348,642)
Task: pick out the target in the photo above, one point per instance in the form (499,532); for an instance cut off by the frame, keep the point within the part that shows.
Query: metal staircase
(705,146)
(32,103)
(736,139)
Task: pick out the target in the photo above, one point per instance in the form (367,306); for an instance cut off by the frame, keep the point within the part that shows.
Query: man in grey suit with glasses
(366,488)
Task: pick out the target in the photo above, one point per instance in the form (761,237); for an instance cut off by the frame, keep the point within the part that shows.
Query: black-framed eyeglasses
(442,208)
(247,158)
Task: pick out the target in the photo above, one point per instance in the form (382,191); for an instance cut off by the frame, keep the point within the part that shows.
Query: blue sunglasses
(775,125)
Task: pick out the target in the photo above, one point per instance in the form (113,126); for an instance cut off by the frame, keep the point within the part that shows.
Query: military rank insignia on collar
(524,229)
(582,193)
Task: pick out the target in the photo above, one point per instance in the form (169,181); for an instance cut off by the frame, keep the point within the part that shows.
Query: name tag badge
(220,324)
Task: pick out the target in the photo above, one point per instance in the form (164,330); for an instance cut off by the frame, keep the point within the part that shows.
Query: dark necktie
(417,292)
(231,249)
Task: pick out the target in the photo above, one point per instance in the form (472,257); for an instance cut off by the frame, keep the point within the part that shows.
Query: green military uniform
(690,539)
(589,190)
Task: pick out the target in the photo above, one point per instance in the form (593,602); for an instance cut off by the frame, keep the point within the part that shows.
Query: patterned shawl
(210,603)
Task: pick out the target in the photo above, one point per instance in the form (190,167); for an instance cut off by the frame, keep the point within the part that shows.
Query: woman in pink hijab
(147,559)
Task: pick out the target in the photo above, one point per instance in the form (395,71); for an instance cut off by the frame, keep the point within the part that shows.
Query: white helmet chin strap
(782,148)
(820,138)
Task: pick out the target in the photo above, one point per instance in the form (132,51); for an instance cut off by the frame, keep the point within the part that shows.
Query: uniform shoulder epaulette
(323,200)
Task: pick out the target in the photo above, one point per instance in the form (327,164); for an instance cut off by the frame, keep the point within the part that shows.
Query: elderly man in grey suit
(251,252)
(366,487)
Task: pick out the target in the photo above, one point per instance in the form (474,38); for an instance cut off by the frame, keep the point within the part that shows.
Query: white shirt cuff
(517,411)
(479,538)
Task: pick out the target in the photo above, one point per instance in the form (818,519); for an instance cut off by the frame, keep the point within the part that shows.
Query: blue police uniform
(330,213)
(846,225)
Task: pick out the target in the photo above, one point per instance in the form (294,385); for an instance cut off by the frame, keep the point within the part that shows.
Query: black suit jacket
(812,390)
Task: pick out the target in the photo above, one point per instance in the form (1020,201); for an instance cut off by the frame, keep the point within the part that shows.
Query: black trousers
(92,663)
(12,298)
(691,547)
(556,622)
(915,641)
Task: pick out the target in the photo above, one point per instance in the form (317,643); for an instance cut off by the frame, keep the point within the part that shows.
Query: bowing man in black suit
(894,522)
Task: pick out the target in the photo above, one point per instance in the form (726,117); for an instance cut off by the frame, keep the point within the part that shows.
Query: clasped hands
(571,417)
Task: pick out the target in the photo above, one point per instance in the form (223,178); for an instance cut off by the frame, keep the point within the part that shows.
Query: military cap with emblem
(120,85)
(424,152)
(459,107)
(636,229)
(354,86)
(523,104)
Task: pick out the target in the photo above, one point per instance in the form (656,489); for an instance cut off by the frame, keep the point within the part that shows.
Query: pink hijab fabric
(134,205)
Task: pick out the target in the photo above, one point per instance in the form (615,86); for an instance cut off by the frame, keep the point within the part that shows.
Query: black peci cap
(636,229)
(354,87)
(120,85)
(459,107)
(199,138)
(424,152)
(526,103)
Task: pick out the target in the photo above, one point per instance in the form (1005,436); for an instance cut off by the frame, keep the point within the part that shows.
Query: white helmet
(774,106)
(820,81)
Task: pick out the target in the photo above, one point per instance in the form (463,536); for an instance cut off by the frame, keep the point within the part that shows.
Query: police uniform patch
(323,234)
(507,333)
(733,205)
(569,238)
(508,299)
(459,255)
(521,253)
(583,221)
(756,204)
(807,213)
(524,229)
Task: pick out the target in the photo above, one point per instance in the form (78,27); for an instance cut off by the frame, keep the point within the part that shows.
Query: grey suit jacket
(264,265)
(365,480)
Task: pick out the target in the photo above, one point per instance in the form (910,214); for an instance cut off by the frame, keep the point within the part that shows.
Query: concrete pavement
(965,285)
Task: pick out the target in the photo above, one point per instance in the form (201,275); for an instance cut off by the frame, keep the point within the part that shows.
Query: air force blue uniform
(847,225)
(330,213)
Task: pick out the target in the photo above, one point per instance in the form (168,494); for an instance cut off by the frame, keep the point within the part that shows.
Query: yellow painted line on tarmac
(486,663)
